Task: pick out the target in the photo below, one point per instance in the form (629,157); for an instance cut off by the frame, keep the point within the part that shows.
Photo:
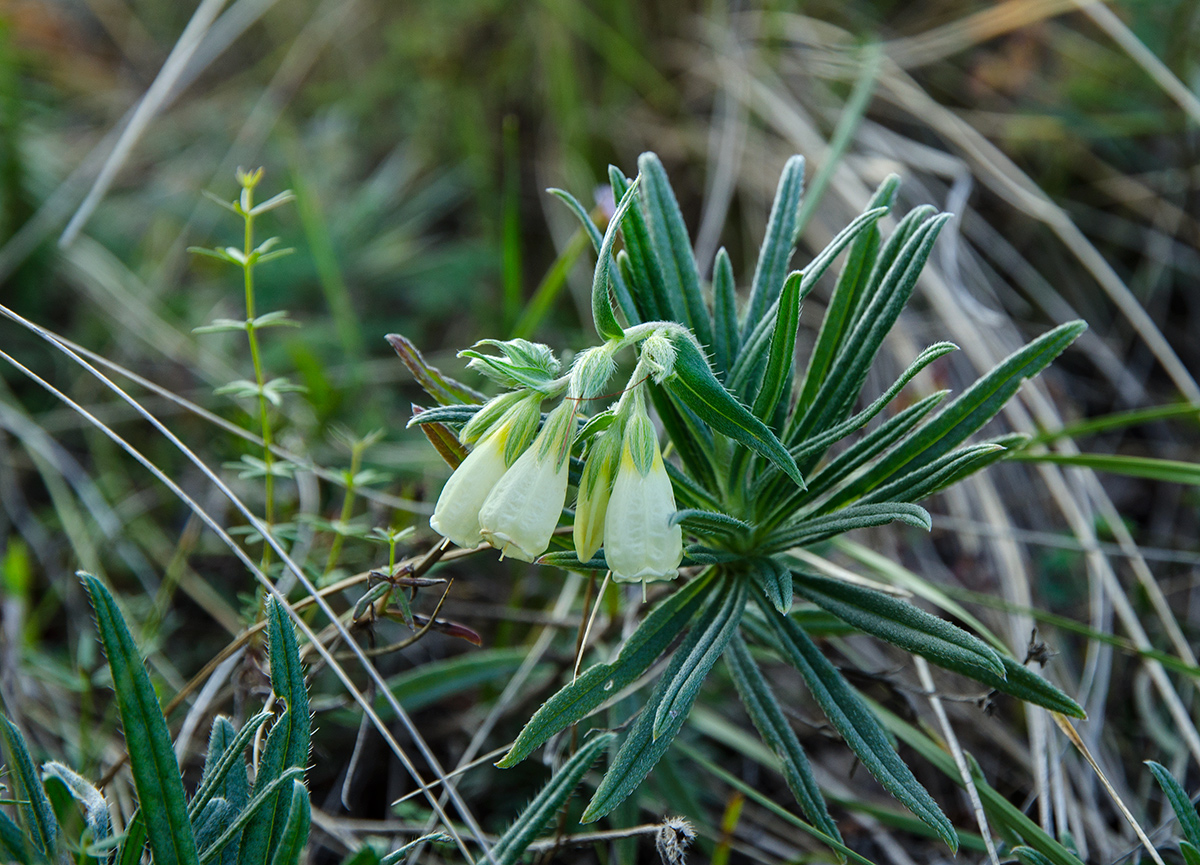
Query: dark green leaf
(512,844)
(36,811)
(772,725)
(937,475)
(603,681)
(710,522)
(603,315)
(691,437)
(641,749)
(695,385)
(151,756)
(726,336)
(852,718)
(774,581)
(688,492)
(448,414)
(670,238)
(1181,803)
(210,823)
(12,841)
(900,623)
(1191,855)
(295,830)
(264,794)
(645,277)
(783,345)
(681,691)
(814,529)
(445,390)
(779,243)
(1029,856)
(225,766)
(134,842)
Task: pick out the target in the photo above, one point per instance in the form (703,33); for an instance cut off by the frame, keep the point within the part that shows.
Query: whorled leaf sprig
(752,478)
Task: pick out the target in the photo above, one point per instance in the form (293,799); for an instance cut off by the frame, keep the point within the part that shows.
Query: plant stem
(335,549)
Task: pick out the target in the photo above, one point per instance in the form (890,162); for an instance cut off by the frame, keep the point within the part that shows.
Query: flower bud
(595,486)
(640,544)
(521,511)
(456,515)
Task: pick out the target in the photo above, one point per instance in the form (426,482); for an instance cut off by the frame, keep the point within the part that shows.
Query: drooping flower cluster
(511,489)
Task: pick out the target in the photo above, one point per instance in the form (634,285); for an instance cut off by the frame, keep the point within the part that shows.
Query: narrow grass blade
(681,691)
(151,756)
(642,750)
(396,856)
(726,335)
(810,531)
(512,844)
(1119,420)
(772,725)
(603,681)
(854,720)
(444,390)
(35,809)
(670,237)
(1150,468)
(697,387)
(779,243)
(1181,803)
(900,623)
(295,830)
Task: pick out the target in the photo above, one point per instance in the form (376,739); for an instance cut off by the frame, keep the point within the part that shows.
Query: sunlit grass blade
(772,725)
(899,623)
(599,683)
(512,844)
(854,720)
(35,809)
(151,756)
(681,691)
(1150,468)
(779,243)
(670,238)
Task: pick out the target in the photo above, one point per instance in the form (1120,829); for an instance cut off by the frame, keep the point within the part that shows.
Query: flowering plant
(750,482)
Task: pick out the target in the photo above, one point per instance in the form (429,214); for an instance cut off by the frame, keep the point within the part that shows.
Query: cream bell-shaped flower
(521,511)
(640,545)
(595,487)
(456,515)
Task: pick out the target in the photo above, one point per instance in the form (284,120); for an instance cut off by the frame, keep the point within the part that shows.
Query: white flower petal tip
(640,544)
(456,515)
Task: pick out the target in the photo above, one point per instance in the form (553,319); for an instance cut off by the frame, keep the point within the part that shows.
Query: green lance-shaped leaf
(645,274)
(1191,854)
(445,390)
(836,397)
(726,336)
(1029,856)
(1181,803)
(603,314)
(211,822)
(443,439)
(690,435)
(640,751)
(35,808)
(224,772)
(264,795)
(899,623)
(95,809)
(447,414)
(295,830)
(619,286)
(12,841)
(812,530)
(853,719)
(774,580)
(151,756)
(133,842)
(846,297)
(778,245)
(979,403)
(783,346)
(533,819)
(772,725)
(288,742)
(603,681)
(397,856)
(937,475)
(670,238)
(696,386)
(681,691)
(707,522)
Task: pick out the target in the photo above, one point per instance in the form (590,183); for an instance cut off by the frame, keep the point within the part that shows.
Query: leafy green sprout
(756,476)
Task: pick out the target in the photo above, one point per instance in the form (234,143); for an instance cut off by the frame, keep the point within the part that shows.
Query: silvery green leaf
(710,522)
(778,372)
(95,809)
(1181,803)
(900,623)
(295,829)
(225,766)
(857,516)
(726,334)
(264,794)
(939,474)
(669,236)
(645,277)
(768,718)
(444,390)
(779,243)
(697,387)
(1029,856)
(35,809)
(603,315)
(12,841)
(774,580)
(603,681)
(512,844)
(855,721)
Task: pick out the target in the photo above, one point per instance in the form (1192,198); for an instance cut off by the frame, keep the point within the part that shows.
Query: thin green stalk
(335,549)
